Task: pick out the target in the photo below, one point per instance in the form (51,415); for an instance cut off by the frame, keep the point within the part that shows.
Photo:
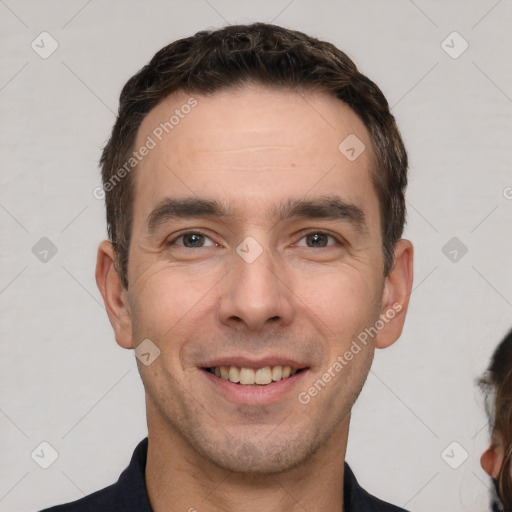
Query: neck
(180,478)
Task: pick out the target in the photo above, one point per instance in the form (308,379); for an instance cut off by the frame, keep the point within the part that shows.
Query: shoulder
(358,500)
(104,500)
(128,493)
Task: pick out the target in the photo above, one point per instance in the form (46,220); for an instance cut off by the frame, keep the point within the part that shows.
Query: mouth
(245,376)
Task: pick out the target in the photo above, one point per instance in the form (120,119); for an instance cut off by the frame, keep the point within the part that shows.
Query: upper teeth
(261,376)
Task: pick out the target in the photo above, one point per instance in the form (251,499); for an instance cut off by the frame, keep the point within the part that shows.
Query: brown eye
(317,239)
(192,240)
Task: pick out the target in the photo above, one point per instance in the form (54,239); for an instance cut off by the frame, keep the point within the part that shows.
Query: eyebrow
(326,207)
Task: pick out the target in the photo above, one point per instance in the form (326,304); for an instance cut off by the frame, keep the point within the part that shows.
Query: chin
(263,456)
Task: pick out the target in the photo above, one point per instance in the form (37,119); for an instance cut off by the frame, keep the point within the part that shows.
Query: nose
(255,295)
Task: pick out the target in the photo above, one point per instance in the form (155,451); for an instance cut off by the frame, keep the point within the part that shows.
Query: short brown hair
(270,56)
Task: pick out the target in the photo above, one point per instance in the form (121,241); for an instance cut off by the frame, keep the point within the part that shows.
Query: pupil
(193,239)
(317,240)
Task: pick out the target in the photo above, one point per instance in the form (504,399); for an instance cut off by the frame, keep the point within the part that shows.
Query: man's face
(288,276)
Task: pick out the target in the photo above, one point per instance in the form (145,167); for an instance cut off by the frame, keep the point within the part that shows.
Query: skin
(492,458)
(252,148)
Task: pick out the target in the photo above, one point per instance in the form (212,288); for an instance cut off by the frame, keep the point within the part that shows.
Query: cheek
(166,296)
(344,300)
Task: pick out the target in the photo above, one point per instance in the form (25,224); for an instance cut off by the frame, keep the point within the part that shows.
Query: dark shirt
(129,494)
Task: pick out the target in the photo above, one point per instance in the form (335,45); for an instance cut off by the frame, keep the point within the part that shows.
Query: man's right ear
(115,296)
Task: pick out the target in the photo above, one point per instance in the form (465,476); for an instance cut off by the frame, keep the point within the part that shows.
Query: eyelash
(304,235)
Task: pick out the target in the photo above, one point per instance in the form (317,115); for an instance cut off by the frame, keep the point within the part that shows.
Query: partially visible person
(496,461)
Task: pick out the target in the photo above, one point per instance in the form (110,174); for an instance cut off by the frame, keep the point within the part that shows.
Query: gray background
(63,378)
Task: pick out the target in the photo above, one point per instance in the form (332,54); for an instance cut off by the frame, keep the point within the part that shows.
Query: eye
(317,239)
(192,240)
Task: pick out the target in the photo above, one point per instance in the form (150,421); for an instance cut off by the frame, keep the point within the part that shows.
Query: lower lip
(254,394)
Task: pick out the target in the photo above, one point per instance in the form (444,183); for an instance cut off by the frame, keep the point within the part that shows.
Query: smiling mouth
(248,376)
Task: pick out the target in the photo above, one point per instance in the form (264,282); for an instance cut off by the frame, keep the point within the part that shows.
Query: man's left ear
(397,291)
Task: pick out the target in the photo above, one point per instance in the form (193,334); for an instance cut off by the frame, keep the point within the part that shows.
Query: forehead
(252,146)
(248,116)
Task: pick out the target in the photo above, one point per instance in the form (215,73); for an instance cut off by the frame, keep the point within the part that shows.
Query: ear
(491,461)
(395,299)
(115,296)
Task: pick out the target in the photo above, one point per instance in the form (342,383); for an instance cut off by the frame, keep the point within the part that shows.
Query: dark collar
(129,494)
(133,488)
